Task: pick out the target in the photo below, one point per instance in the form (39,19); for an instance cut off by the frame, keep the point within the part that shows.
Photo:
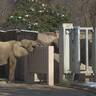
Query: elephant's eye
(33,46)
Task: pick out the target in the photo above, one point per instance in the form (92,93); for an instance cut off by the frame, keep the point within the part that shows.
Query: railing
(70,49)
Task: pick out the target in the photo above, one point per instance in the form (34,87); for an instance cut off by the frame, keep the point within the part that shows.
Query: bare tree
(6,7)
(92,12)
(79,12)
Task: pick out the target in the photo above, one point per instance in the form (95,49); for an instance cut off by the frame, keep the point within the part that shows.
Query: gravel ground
(39,90)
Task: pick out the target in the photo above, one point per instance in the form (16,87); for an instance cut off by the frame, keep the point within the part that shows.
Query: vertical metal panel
(61,58)
(40,61)
(75,51)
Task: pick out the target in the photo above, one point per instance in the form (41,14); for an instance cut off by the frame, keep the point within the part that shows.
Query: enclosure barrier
(69,48)
(40,62)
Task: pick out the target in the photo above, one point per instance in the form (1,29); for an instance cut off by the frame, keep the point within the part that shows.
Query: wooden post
(51,66)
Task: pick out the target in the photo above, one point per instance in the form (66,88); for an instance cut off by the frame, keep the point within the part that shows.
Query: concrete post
(64,50)
(51,66)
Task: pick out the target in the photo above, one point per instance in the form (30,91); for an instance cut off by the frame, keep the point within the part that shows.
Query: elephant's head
(29,44)
(23,47)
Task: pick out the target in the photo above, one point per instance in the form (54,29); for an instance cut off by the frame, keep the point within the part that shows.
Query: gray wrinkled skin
(10,50)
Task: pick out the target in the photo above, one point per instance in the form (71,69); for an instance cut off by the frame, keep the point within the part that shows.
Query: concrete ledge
(80,86)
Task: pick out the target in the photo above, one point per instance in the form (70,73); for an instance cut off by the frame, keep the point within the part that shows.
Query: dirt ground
(39,90)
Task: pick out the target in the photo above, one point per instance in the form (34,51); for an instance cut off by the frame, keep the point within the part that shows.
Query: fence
(16,34)
(70,50)
(41,62)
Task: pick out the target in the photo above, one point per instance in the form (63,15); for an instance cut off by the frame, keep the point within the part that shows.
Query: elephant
(11,50)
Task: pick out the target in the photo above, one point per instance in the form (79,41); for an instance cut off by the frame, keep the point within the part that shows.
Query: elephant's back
(4,46)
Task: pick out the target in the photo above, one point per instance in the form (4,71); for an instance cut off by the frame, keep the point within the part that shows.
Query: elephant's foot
(11,81)
(94,78)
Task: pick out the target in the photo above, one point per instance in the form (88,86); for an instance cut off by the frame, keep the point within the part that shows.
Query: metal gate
(71,49)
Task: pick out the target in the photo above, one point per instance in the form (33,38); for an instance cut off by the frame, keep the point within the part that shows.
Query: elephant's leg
(12,67)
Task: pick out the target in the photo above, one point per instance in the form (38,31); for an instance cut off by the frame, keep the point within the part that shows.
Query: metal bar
(78,47)
(87,53)
(86,28)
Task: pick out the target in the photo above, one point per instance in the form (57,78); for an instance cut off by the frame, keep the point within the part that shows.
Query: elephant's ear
(18,50)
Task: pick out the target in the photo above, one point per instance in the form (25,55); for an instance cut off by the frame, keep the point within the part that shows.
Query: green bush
(38,15)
